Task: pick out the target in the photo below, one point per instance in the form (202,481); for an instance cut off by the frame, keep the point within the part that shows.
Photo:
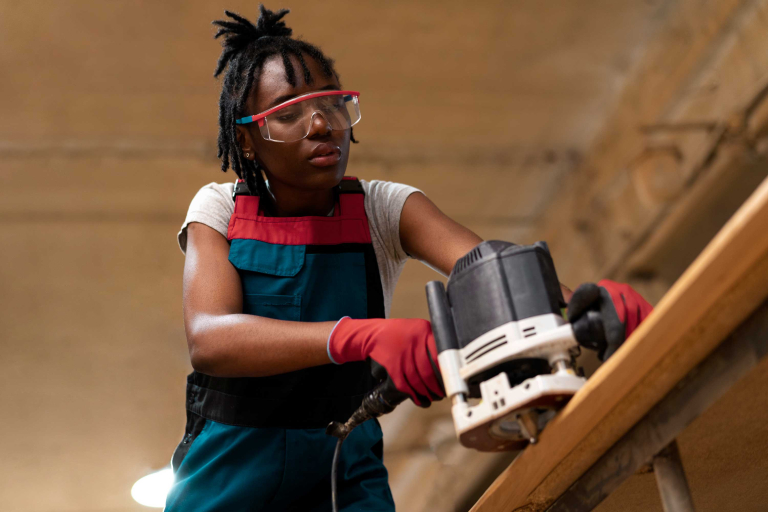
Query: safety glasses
(291,120)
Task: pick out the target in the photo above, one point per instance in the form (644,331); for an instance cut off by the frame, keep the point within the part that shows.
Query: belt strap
(263,412)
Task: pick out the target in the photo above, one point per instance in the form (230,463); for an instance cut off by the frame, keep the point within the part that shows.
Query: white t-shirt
(384,200)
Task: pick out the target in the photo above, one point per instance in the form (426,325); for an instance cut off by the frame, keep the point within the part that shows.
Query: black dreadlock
(245,48)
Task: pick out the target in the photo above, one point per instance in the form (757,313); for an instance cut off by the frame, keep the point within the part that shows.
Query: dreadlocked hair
(245,49)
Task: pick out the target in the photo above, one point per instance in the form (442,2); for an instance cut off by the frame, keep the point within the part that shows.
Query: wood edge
(736,242)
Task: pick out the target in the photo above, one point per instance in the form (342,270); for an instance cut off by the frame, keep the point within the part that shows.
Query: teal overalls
(259,444)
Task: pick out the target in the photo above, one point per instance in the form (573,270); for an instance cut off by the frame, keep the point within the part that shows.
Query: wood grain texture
(721,288)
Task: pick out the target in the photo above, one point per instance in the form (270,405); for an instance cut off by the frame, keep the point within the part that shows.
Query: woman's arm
(430,235)
(223,341)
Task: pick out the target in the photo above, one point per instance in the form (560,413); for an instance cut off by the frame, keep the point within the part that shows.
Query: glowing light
(152,489)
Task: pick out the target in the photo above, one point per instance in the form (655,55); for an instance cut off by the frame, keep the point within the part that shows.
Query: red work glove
(603,315)
(405,348)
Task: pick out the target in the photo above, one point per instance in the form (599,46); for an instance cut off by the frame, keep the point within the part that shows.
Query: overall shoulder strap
(351,197)
(246,203)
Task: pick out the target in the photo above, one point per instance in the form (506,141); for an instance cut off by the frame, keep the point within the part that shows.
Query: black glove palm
(595,322)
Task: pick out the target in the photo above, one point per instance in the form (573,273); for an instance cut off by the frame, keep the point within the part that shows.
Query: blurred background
(623,133)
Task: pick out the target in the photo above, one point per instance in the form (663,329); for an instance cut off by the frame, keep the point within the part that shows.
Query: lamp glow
(152,489)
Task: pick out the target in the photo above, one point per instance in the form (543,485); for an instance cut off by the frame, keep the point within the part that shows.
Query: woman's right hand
(405,348)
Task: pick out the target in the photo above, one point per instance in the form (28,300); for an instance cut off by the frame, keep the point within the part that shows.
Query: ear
(245,142)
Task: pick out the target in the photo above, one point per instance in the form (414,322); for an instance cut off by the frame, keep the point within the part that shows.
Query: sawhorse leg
(670,477)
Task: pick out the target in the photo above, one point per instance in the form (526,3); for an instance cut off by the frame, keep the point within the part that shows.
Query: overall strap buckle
(241,189)
(350,185)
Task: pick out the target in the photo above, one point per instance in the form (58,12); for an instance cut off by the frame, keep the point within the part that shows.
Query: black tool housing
(495,283)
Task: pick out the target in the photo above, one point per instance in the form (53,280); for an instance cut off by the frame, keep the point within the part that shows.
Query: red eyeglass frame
(259,118)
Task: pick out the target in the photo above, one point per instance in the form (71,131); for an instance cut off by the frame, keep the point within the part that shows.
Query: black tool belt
(305,399)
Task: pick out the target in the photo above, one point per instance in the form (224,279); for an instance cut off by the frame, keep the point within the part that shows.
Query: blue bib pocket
(272,259)
(279,307)
(269,274)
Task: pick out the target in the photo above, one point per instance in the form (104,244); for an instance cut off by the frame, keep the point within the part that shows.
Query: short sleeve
(384,204)
(212,206)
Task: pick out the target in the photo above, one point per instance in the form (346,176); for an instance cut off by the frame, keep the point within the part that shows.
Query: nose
(318,125)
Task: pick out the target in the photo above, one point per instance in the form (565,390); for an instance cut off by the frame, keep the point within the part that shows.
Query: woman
(287,289)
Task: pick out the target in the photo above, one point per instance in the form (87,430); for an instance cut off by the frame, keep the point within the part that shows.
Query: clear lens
(293,122)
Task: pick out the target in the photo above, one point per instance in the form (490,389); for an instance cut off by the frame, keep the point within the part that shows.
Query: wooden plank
(715,294)
(702,387)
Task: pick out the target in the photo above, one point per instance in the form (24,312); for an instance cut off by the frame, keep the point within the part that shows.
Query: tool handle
(440,315)
(382,399)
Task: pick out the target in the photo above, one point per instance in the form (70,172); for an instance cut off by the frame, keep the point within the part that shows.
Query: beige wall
(108,128)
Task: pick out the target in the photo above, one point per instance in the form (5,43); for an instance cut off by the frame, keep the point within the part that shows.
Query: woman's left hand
(603,315)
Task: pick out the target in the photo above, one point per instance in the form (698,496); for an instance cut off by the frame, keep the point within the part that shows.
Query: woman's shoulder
(215,191)
(386,192)
(384,202)
(214,198)
(212,206)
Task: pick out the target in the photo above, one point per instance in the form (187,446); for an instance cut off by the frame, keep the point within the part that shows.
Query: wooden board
(721,288)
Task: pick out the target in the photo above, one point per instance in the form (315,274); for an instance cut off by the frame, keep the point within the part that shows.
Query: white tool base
(491,425)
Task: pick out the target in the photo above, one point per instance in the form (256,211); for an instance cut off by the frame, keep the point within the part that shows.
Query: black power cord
(334,475)
(382,400)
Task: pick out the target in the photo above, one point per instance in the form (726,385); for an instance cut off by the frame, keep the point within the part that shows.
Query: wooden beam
(697,73)
(715,294)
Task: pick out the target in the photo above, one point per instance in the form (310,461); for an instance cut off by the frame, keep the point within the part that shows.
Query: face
(295,164)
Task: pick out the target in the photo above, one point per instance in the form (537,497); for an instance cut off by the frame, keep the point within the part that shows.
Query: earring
(247,155)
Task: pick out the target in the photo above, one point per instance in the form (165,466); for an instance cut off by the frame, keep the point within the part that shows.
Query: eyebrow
(286,97)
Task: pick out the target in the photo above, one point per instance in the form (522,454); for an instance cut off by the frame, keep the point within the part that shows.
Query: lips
(325,154)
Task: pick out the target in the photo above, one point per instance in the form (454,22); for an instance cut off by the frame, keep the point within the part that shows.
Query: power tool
(501,337)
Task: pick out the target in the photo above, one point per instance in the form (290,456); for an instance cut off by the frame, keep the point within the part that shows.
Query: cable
(334,474)
(381,400)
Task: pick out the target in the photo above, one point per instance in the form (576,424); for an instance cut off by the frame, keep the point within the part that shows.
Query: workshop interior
(581,140)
